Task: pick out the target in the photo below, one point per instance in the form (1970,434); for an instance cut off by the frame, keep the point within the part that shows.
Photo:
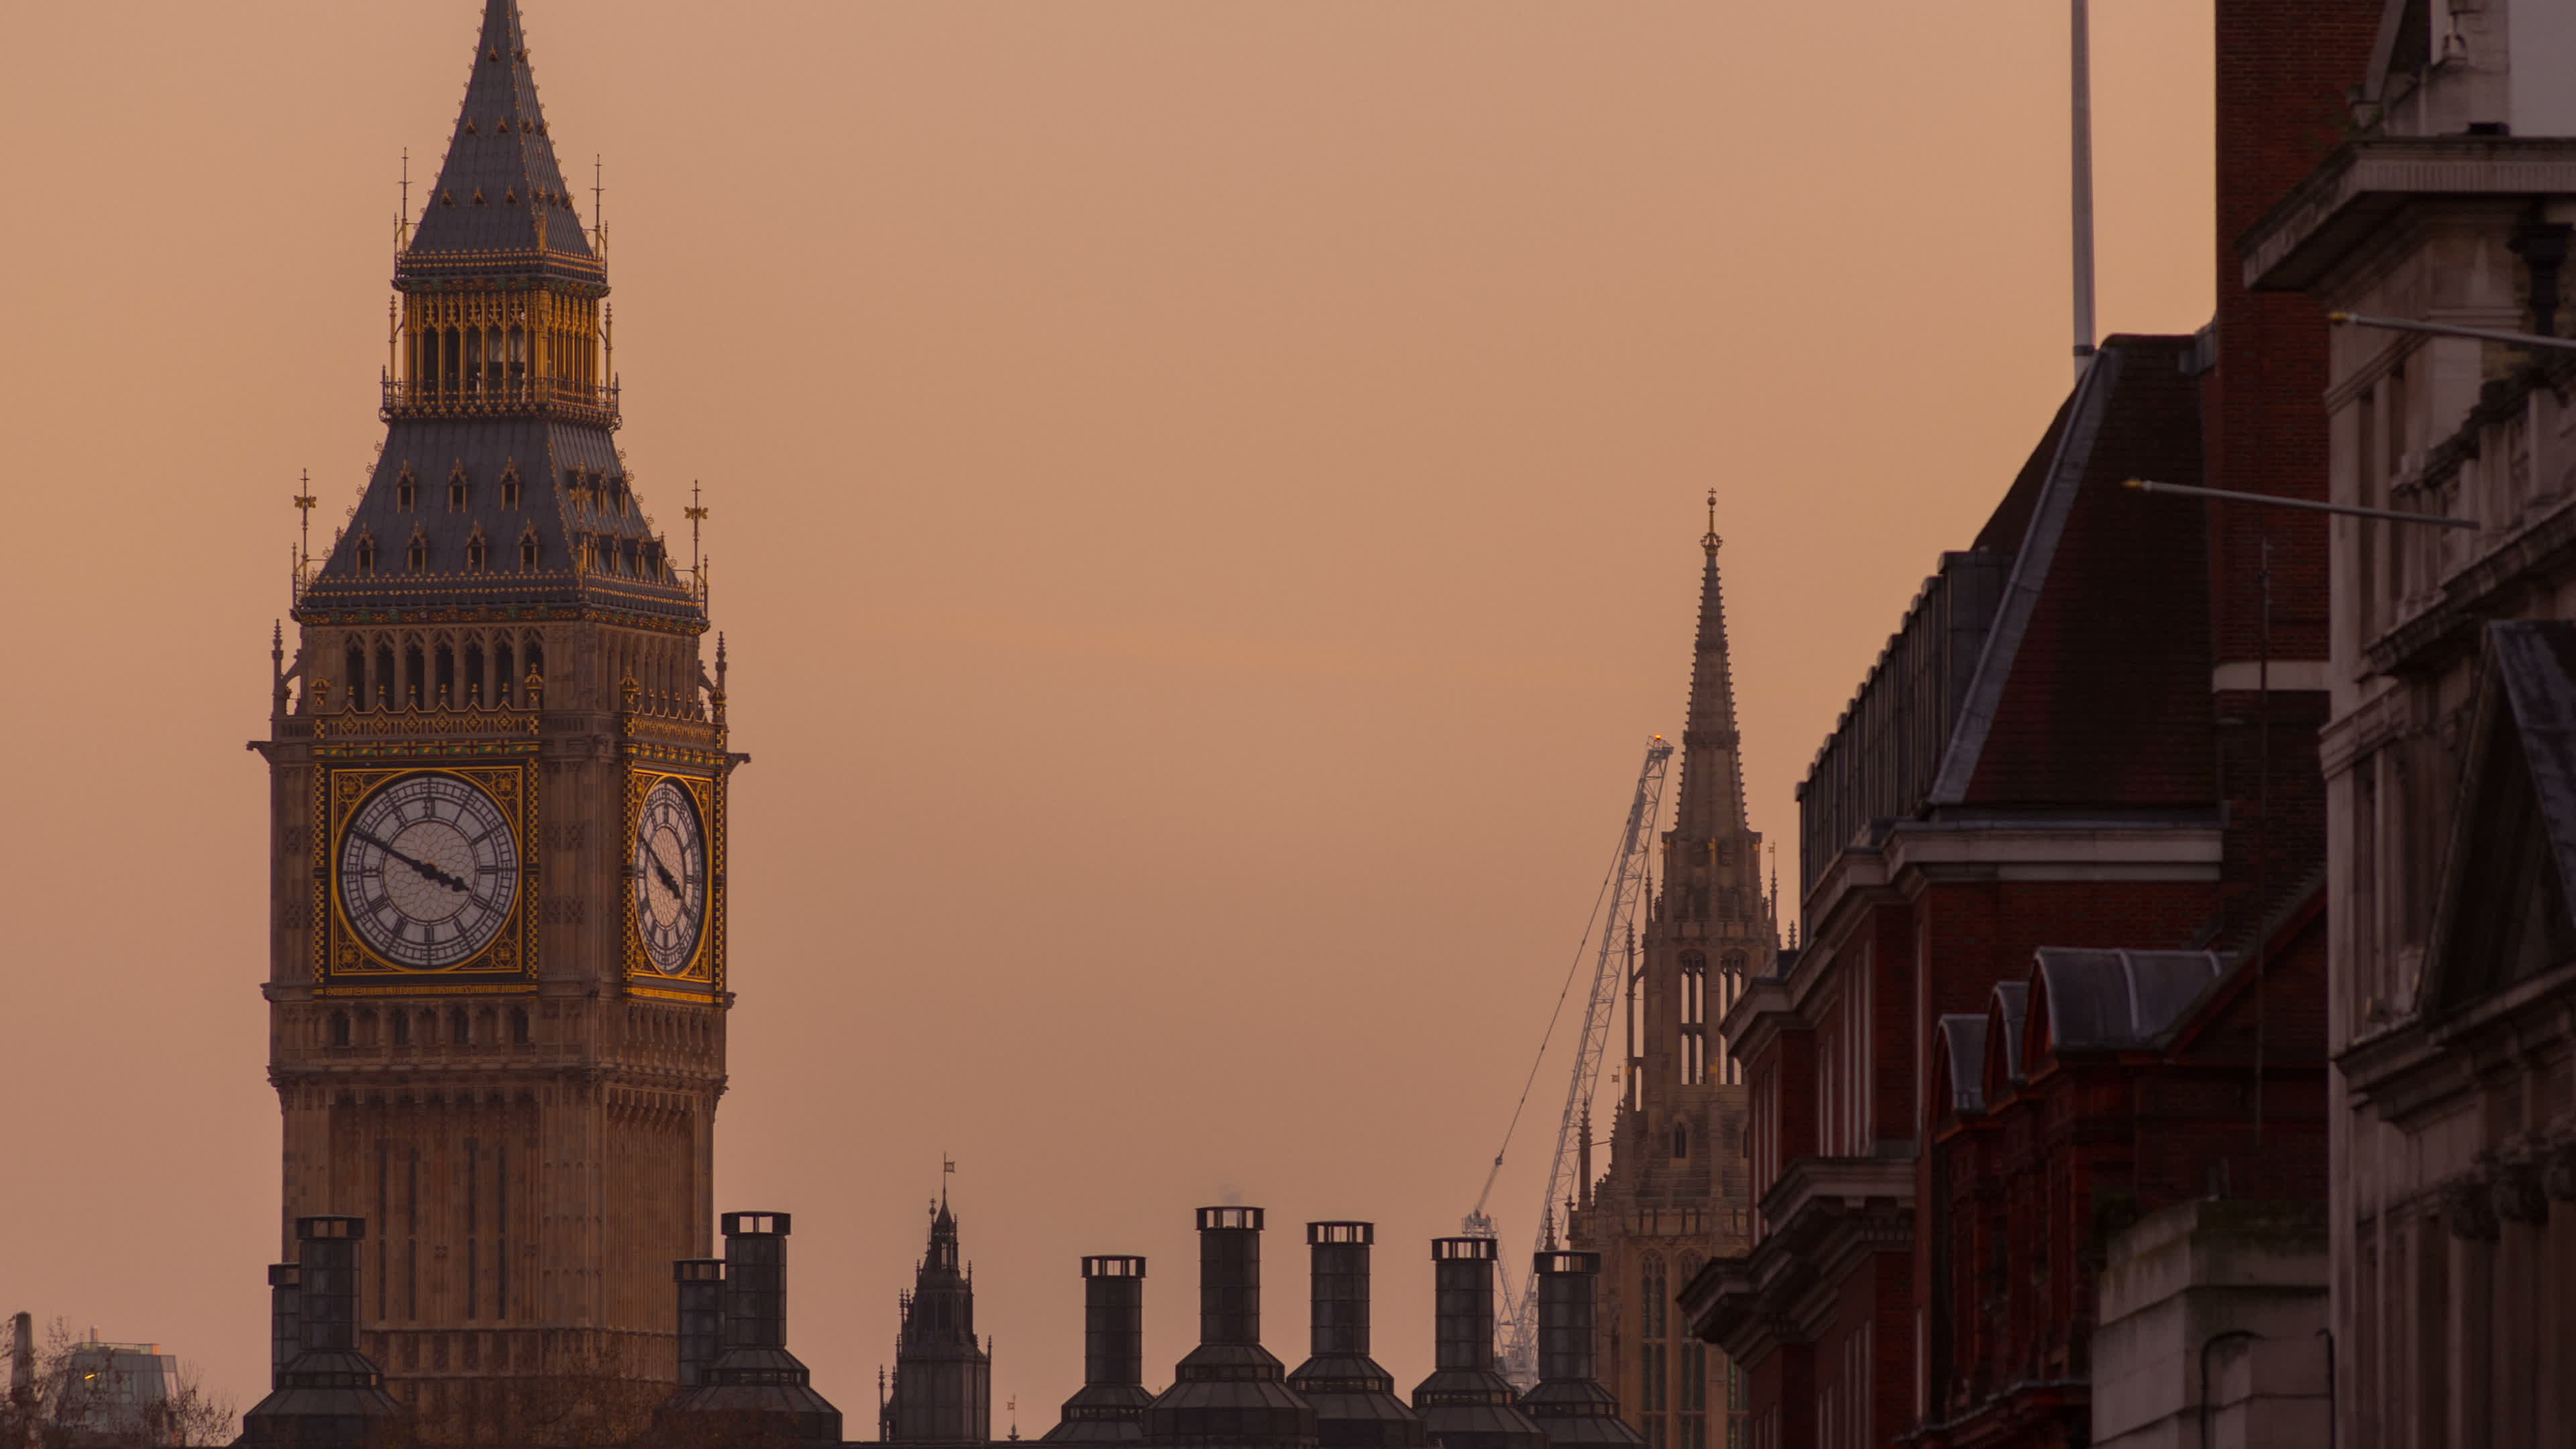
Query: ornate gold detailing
(341,959)
(1709,541)
(672,729)
(409,723)
(707,968)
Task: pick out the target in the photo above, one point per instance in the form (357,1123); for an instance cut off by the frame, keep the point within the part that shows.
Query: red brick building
(2032,766)
(2061,864)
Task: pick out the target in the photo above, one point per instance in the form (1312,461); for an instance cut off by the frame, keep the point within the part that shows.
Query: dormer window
(478,551)
(406,491)
(478,197)
(366,553)
(510,486)
(416,556)
(456,494)
(530,550)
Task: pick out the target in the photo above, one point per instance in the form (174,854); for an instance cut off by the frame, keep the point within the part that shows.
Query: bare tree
(71,1393)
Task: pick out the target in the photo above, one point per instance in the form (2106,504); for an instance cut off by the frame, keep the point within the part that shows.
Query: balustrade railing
(496,396)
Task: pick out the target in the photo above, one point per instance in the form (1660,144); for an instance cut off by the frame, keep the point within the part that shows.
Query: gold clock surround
(342,958)
(705,972)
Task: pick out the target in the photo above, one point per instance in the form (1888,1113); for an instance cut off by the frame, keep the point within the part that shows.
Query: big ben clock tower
(497,984)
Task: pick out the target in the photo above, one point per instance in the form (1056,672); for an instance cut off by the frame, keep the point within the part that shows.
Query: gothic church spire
(1712,784)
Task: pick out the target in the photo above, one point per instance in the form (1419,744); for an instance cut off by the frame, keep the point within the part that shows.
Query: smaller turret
(943,1378)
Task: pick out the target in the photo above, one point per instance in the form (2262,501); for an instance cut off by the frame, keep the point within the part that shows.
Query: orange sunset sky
(1206,508)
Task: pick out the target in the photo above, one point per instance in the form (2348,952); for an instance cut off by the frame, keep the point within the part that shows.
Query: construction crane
(1624,890)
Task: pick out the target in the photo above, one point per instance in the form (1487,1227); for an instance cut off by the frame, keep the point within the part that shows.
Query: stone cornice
(1827,1216)
(2365,182)
(2542,551)
(1916,853)
(2420,1067)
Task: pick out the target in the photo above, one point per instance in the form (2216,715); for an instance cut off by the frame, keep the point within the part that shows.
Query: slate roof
(572,486)
(2535,664)
(2093,686)
(1963,1055)
(500,193)
(2006,1010)
(551,460)
(2116,1000)
(2510,872)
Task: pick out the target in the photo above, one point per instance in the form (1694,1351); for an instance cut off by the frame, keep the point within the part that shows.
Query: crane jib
(1518,1322)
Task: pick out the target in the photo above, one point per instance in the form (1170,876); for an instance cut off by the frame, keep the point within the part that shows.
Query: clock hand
(427,871)
(664,871)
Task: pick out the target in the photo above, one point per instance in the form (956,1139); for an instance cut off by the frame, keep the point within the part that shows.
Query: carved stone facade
(497,984)
(2452,827)
(1676,1193)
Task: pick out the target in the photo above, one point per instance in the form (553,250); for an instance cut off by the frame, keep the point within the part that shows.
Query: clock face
(670,877)
(428,869)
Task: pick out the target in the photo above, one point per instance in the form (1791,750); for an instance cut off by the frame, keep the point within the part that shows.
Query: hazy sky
(1206,512)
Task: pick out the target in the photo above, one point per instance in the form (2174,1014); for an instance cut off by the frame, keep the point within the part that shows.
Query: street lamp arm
(2445,329)
(2348,510)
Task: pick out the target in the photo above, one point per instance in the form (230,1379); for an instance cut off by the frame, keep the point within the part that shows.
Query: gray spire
(499,191)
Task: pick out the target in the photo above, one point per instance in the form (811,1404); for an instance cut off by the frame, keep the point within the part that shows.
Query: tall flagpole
(2082,77)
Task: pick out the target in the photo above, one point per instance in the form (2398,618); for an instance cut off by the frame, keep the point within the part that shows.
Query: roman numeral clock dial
(428,871)
(670,878)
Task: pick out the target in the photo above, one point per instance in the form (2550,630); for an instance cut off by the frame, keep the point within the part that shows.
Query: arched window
(353,662)
(416,554)
(415,676)
(530,551)
(473,674)
(505,689)
(446,676)
(510,485)
(1694,1018)
(402,1028)
(459,1031)
(339,1028)
(1681,1140)
(406,490)
(519,1025)
(384,676)
(366,553)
